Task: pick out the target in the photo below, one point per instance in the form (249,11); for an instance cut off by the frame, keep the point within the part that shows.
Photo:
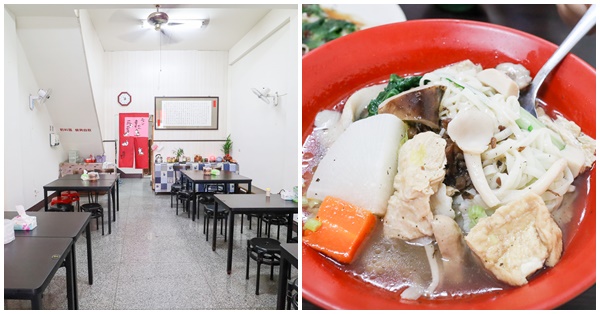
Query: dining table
(107,182)
(541,20)
(289,257)
(30,264)
(252,204)
(198,179)
(61,225)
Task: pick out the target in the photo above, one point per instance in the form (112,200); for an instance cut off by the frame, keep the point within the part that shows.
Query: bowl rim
(313,296)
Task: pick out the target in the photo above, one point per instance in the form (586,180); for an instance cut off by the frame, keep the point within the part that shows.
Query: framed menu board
(186,113)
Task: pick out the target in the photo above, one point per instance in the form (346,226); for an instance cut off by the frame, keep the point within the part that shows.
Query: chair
(292,294)
(74,195)
(185,197)
(61,200)
(264,251)
(272,219)
(214,188)
(204,198)
(97,212)
(62,208)
(177,186)
(222,215)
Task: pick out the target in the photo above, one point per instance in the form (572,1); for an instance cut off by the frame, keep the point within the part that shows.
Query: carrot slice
(344,227)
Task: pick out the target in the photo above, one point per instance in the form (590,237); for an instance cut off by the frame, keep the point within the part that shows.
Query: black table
(30,264)
(289,256)
(197,177)
(251,204)
(102,176)
(61,225)
(107,183)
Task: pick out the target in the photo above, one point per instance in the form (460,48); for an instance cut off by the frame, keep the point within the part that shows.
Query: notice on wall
(186,113)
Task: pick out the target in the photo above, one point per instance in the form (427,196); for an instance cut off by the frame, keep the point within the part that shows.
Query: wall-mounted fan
(40,98)
(264,95)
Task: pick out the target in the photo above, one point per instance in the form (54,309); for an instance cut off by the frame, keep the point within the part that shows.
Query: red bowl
(333,71)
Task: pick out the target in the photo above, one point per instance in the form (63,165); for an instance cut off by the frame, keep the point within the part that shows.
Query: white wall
(55,51)
(147,74)
(265,137)
(94,55)
(29,161)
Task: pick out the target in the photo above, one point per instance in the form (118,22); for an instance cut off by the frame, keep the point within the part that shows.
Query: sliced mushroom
(420,104)
(516,72)
(471,130)
(499,81)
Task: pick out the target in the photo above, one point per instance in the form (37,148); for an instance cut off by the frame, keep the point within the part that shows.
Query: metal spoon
(584,25)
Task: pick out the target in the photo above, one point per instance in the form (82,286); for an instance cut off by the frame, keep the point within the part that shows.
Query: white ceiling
(119,28)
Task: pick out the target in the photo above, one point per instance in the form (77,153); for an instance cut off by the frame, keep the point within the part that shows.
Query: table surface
(29,261)
(70,184)
(540,20)
(225,176)
(254,201)
(290,250)
(53,224)
(102,176)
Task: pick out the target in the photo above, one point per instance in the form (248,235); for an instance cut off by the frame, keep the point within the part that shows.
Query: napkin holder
(23,221)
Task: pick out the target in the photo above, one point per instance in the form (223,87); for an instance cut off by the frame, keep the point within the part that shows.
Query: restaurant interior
(151,156)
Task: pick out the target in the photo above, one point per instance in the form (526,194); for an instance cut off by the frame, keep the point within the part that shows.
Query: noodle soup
(398,265)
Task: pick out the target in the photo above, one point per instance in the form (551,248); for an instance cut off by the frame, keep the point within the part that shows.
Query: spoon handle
(583,27)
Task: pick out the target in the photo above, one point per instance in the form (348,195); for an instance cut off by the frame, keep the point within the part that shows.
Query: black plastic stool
(186,197)
(292,294)
(97,212)
(269,220)
(264,251)
(62,208)
(209,212)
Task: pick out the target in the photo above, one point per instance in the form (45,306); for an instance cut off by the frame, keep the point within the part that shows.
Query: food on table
(469,193)
(320,26)
(421,164)
(351,166)
(517,240)
(338,229)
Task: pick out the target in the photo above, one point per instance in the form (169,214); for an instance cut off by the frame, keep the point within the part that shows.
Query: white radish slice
(361,165)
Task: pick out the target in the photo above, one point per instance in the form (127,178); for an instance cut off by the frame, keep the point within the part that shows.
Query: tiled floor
(157,260)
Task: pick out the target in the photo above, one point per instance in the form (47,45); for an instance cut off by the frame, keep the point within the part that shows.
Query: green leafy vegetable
(312,224)
(475,213)
(313,9)
(395,86)
(318,28)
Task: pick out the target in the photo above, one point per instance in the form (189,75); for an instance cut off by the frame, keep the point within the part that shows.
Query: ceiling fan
(159,20)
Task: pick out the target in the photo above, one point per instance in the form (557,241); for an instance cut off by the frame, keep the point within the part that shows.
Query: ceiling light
(183,24)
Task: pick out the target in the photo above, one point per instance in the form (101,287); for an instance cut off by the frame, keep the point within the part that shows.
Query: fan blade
(123,17)
(168,37)
(134,36)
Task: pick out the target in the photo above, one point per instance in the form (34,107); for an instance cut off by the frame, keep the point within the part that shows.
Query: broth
(394,265)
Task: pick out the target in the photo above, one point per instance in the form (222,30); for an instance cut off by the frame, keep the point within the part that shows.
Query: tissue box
(25,223)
